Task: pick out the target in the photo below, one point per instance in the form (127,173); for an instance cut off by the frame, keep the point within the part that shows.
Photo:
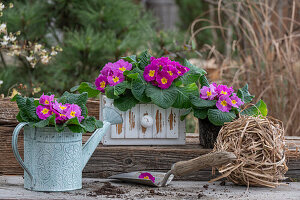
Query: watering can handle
(15,148)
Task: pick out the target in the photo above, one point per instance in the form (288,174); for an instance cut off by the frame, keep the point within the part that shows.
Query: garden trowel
(160,179)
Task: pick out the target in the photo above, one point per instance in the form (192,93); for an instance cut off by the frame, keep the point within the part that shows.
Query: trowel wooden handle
(213,159)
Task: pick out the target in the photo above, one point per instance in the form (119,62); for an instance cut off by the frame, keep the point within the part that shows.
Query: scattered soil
(200,195)
(107,189)
(205,186)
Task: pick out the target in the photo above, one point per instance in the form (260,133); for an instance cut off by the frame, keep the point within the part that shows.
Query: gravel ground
(11,187)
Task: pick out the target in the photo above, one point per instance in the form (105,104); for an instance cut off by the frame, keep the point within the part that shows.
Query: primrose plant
(67,111)
(220,104)
(145,79)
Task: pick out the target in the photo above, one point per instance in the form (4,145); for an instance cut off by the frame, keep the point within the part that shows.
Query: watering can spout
(110,117)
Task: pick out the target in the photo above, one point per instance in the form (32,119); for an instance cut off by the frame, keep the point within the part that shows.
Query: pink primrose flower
(43,112)
(164,79)
(223,103)
(224,90)
(74,110)
(147,175)
(150,72)
(208,92)
(101,83)
(116,78)
(122,65)
(235,101)
(172,70)
(46,100)
(107,70)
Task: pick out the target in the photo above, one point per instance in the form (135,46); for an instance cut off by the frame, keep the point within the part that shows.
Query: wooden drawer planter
(166,127)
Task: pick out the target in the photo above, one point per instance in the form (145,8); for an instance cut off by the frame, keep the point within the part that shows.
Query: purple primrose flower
(122,65)
(224,90)
(164,79)
(235,101)
(148,176)
(150,72)
(208,92)
(74,111)
(223,103)
(43,112)
(101,83)
(46,100)
(116,78)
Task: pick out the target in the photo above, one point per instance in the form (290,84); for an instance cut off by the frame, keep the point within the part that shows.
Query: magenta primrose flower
(116,78)
(74,111)
(164,79)
(122,65)
(148,176)
(101,83)
(46,99)
(223,103)
(43,112)
(107,70)
(224,90)
(150,72)
(235,101)
(181,69)
(208,92)
(172,70)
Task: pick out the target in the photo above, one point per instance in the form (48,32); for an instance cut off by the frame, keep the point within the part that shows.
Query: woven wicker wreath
(258,143)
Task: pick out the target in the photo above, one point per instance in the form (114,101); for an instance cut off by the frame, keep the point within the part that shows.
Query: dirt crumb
(205,186)
(223,183)
(107,189)
(200,195)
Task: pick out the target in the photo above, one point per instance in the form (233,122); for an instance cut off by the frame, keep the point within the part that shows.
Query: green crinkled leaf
(186,113)
(27,109)
(120,88)
(76,128)
(125,102)
(201,103)
(44,123)
(183,97)
(109,92)
(193,68)
(133,76)
(218,117)
(259,108)
(89,124)
(204,81)
(144,59)
(138,90)
(86,87)
(98,124)
(131,59)
(244,94)
(200,113)
(162,98)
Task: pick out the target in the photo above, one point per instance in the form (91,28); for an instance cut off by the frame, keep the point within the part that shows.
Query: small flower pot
(208,133)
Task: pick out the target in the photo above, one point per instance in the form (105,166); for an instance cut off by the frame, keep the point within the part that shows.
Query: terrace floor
(11,187)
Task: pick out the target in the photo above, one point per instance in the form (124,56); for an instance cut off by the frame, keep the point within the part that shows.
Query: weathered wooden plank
(159,123)
(146,109)
(173,122)
(132,122)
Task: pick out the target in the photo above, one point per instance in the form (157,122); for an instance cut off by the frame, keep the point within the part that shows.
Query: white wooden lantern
(145,124)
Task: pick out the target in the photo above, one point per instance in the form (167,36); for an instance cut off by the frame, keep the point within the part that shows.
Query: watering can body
(54,161)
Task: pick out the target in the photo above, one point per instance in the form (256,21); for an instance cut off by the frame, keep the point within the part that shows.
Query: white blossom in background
(1,82)
(32,52)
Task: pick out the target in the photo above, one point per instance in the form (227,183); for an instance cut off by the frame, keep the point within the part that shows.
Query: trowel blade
(143,177)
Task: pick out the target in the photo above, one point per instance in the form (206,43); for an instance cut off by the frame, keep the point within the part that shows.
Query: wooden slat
(159,122)
(146,109)
(132,122)
(173,123)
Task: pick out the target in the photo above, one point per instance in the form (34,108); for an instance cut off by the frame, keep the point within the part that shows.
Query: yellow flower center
(223,92)
(63,107)
(102,84)
(146,177)
(46,102)
(179,72)
(45,111)
(151,73)
(116,79)
(224,103)
(233,101)
(122,69)
(171,74)
(164,80)
(62,115)
(208,93)
(73,113)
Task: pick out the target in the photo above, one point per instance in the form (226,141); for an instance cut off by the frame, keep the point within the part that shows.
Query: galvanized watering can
(54,161)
